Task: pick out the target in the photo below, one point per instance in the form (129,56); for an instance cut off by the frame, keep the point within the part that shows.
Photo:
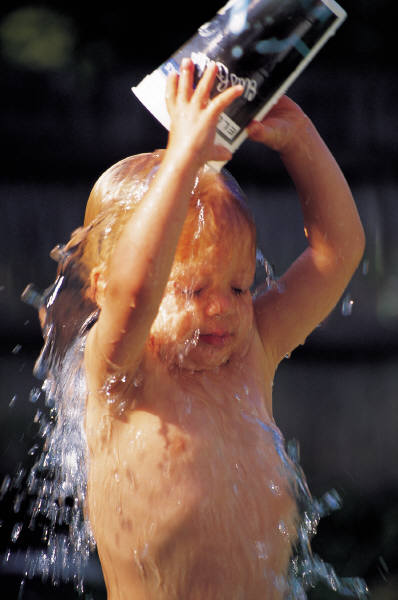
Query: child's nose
(218,304)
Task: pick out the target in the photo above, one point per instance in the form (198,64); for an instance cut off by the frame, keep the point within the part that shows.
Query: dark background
(67,113)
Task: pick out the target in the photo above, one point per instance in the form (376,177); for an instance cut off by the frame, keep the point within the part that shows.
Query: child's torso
(189,494)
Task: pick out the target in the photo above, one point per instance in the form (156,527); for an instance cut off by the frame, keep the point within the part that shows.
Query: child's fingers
(221,153)
(205,85)
(171,90)
(259,132)
(185,84)
(280,126)
(273,133)
(220,102)
(283,106)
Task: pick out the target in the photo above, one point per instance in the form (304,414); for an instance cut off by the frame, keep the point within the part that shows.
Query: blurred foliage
(37,38)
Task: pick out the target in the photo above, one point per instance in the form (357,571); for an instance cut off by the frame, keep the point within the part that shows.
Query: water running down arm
(312,286)
(142,259)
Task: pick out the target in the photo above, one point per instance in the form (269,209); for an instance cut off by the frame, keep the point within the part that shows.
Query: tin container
(262,44)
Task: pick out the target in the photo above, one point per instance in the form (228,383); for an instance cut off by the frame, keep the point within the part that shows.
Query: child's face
(206,314)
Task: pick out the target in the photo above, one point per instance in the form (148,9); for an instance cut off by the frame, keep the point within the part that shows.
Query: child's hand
(194,115)
(281,128)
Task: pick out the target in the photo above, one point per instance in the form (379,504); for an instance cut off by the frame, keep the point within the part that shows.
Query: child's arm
(142,259)
(312,286)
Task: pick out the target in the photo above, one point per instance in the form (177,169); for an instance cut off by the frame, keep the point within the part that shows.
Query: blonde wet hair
(217,205)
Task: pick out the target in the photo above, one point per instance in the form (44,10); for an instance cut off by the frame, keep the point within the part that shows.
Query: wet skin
(189,490)
(188,494)
(208,302)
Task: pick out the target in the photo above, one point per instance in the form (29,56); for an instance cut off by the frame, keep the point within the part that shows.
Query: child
(189,494)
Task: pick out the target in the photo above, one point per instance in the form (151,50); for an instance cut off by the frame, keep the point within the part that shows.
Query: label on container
(261,44)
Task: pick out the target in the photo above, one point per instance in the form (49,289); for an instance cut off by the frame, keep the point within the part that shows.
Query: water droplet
(138,380)
(383,569)
(32,297)
(18,502)
(188,405)
(13,400)
(32,451)
(365,266)
(16,349)
(16,531)
(18,477)
(282,528)
(5,486)
(34,394)
(37,417)
(261,550)
(275,489)
(21,589)
(331,501)
(347,305)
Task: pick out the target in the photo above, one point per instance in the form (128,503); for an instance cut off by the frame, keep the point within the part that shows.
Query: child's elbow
(350,258)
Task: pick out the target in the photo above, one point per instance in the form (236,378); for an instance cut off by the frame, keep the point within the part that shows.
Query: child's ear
(97,284)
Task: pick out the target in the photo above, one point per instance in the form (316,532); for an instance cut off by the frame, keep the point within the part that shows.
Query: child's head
(114,197)
(218,236)
(218,207)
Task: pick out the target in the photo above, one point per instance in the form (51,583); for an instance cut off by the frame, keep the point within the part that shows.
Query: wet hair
(217,205)
(218,209)
(113,198)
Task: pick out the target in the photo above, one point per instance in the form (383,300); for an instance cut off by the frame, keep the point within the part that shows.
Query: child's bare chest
(206,472)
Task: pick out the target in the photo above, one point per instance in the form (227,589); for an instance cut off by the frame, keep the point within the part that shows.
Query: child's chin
(191,354)
(192,360)
(203,359)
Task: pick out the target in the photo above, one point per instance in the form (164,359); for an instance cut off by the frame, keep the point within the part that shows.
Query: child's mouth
(215,339)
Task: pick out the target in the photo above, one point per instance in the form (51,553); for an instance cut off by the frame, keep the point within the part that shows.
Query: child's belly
(195,507)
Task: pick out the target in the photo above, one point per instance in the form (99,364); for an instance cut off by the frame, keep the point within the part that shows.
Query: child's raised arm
(312,286)
(141,261)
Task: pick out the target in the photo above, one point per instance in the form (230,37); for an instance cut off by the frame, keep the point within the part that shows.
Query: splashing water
(347,305)
(54,489)
(264,278)
(56,484)
(308,569)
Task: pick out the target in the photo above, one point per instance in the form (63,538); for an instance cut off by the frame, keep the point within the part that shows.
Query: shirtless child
(189,495)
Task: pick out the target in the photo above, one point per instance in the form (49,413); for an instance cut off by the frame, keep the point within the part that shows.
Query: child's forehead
(236,257)
(216,224)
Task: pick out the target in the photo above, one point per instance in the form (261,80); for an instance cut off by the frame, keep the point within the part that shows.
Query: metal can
(261,44)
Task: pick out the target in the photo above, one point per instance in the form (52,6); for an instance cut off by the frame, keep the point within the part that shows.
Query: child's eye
(195,292)
(190,293)
(237,291)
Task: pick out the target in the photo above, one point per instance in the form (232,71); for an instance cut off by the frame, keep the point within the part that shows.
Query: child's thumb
(221,153)
(267,134)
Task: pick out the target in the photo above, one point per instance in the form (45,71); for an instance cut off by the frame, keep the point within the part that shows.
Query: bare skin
(189,493)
